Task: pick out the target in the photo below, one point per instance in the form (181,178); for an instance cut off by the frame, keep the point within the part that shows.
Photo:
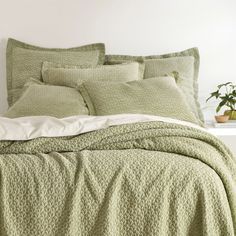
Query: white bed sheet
(26,128)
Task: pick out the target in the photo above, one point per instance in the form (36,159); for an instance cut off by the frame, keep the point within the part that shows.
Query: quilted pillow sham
(72,76)
(155,96)
(39,99)
(183,68)
(25,61)
(189,85)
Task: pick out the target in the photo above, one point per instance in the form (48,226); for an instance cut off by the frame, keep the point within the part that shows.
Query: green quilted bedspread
(139,179)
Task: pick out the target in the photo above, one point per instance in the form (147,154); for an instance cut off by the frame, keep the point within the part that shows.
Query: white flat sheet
(26,128)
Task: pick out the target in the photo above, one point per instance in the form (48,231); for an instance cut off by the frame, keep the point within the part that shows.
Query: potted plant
(226,94)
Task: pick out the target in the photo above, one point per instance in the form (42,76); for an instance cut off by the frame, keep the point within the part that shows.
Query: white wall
(128,27)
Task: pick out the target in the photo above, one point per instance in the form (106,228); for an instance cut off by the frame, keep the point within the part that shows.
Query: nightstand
(227,135)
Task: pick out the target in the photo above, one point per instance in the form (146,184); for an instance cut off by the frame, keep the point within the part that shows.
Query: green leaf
(215,94)
(222,103)
(218,108)
(223,85)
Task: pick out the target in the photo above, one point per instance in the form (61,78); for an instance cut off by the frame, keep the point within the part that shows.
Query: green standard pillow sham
(25,61)
(72,76)
(189,85)
(155,96)
(184,68)
(39,99)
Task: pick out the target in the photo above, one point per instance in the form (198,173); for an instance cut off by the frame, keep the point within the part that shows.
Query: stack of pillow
(85,81)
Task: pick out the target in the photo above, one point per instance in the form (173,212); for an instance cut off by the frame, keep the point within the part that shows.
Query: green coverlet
(146,179)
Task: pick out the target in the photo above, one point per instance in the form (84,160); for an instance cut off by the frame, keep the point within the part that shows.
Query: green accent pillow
(155,96)
(25,61)
(39,99)
(189,85)
(72,76)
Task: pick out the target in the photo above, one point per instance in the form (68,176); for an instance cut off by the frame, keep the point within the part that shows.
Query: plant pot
(222,118)
(231,114)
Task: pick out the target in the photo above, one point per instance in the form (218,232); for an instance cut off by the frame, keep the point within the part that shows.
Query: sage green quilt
(139,179)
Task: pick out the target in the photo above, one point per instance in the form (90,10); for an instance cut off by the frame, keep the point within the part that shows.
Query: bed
(110,172)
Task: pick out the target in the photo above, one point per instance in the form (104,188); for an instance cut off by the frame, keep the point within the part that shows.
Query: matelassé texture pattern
(156,96)
(131,180)
(73,76)
(50,100)
(25,61)
(190,83)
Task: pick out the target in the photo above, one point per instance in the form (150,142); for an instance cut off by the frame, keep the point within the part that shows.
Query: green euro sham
(189,85)
(155,96)
(25,61)
(72,76)
(39,99)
